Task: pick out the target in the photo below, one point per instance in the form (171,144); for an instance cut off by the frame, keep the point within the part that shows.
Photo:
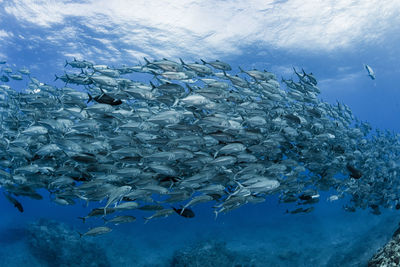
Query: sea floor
(262,234)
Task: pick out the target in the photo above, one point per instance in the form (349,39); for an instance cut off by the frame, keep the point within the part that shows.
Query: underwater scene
(199,133)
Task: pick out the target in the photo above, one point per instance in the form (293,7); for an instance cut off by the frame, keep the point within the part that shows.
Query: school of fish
(181,134)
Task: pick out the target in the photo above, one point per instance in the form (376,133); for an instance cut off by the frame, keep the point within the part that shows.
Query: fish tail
(80,235)
(203,61)
(183,63)
(147,61)
(216,214)
(66,63)
(152,86)
(56,77)
(189,87)
(90,98)
(83,219)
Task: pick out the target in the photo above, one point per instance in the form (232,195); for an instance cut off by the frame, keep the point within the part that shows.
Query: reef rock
(209,254)
(389,255)
(56,244)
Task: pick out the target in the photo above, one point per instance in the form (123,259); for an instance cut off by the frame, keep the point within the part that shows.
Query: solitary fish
(14,202)
(97,212)
(96,231)
(218,64)
(301,210)
(354,173)
(370,72)
(121,219)
(105,99)
(187,213)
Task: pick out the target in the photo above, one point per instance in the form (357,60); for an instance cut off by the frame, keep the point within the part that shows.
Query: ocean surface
(331,39)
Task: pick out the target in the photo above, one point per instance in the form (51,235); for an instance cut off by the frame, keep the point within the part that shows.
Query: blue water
(42,35)
(328,236)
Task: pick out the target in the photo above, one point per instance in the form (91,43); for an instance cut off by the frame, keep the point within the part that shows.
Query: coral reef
(210,254)
(389,255)
(56,244)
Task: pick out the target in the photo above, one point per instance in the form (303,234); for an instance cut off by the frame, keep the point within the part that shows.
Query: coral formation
(209,254)
(389,255)
(55,244)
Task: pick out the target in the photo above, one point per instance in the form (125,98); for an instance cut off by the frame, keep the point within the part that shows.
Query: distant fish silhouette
(370,71)
(14,202)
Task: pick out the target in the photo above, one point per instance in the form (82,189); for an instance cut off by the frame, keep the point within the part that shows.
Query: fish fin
(175,102)
(225,73)
(216,214)
(216,154)
(182,209)
(298,74)
(239,184)
(147,61)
